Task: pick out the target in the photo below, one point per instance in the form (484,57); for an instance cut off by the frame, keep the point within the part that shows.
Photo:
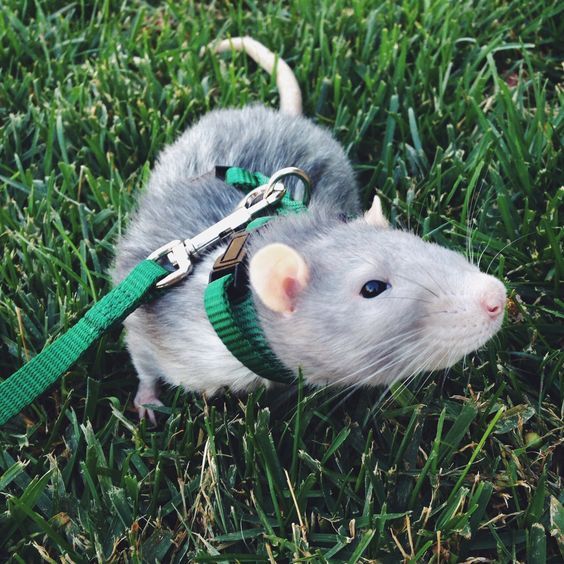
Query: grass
(454,112)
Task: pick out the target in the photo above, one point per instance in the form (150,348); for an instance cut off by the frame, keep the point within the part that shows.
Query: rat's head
(359,302)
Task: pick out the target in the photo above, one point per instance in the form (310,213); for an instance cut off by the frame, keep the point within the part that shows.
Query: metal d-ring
(290,171)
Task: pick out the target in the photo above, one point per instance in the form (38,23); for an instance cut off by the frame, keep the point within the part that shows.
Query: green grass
(453,111)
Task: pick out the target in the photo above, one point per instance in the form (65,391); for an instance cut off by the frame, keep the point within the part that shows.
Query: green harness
(228,301)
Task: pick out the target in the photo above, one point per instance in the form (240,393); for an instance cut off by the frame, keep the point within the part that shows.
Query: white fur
(212,369)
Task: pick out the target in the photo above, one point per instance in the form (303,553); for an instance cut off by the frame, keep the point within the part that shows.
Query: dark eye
(373,288)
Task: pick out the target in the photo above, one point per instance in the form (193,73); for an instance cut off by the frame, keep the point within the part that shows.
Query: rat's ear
(375,216)
(278,274)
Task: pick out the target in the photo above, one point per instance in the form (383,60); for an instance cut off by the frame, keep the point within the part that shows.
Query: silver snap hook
(291,171)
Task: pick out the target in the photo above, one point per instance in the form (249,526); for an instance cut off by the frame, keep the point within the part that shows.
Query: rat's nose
(493,303)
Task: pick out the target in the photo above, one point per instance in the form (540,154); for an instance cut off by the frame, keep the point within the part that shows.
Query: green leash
(235,323)
(43,370)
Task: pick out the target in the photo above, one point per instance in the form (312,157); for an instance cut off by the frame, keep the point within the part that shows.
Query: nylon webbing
(236,322)
(289,206)
(244,179)
(45,368)
(237,326)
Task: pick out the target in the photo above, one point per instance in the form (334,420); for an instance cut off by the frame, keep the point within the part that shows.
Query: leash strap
(45,368)
(25,385)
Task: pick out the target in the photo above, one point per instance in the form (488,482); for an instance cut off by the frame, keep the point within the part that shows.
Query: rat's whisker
(395,341)
(393,362)
(347,394)
(483,251)
(469,221)
(386,344)
(416,361)
(417,284)
(428,273)
(418,349)
(435,312)
(404,383)
(505,247)
(404,298)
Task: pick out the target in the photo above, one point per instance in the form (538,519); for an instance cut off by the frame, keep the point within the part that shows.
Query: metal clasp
(275,186)
(181,253)
(177,255)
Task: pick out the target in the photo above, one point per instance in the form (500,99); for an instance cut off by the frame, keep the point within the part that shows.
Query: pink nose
(493,305)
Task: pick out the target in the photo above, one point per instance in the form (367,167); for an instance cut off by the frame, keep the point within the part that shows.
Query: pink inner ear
(292,288)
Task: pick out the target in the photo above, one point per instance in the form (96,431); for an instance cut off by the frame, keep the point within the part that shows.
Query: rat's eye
(374,288)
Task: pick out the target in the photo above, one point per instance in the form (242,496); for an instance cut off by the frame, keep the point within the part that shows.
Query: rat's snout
(492,298)
(492,305)
(466,320)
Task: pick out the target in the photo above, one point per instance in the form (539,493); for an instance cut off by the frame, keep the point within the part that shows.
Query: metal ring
(290,171)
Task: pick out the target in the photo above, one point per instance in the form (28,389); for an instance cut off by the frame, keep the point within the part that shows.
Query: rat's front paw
(146,396)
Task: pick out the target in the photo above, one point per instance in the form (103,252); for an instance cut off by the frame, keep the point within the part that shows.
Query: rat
(348,302)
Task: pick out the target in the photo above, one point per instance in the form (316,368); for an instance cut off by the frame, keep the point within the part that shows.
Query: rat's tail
(288,88)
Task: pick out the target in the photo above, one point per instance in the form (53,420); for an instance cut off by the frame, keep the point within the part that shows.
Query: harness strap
(45,368)
(237,326)
(243,179)
(234,319)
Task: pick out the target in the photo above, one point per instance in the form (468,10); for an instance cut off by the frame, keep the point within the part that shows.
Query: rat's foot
(146,395)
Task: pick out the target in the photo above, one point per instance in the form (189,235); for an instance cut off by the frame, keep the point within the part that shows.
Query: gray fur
(428,319)
(183,198)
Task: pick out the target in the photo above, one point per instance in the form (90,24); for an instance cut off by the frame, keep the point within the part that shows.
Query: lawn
(453,111)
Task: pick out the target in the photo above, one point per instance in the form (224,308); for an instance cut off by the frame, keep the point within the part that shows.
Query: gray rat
(348,302)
